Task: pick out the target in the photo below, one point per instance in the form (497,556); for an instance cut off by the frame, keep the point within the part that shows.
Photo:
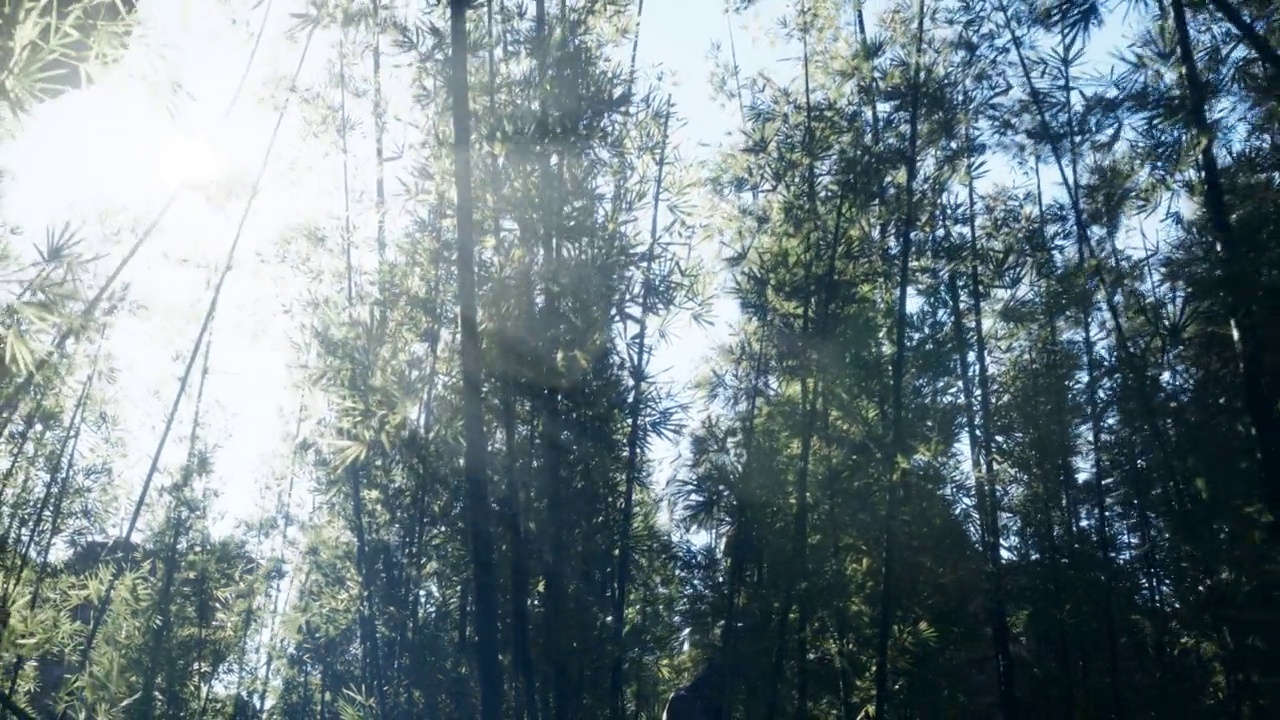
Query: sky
(106,158)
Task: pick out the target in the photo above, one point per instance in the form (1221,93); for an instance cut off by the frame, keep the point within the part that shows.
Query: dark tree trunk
(1266,52)
(639,366)
(1239,283)
(474,473)
(895,476)
(526,700)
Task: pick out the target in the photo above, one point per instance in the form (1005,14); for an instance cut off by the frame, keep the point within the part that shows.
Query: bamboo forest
(626,360)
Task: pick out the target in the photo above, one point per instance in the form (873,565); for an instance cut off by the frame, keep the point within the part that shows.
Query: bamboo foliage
(989,436)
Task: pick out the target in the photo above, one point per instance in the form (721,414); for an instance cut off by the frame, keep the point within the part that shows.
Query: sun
(189,159)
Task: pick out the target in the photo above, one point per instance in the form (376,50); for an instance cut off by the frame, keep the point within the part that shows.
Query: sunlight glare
(189,159)
(131,150)
(162,124)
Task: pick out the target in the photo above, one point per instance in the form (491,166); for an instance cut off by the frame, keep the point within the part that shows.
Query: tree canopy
(995,431)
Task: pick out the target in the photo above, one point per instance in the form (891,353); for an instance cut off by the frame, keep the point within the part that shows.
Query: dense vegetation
(997,431)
